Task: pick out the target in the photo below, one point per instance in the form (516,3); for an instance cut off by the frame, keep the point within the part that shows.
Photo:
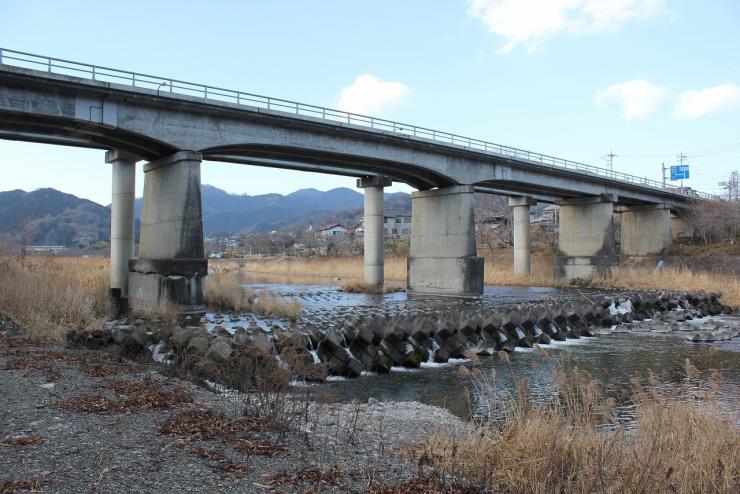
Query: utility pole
(732,185)
(610,160)
(681,157)
(663,169)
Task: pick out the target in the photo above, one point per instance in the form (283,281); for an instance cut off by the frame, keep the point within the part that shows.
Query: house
(54,249)
(395,224)
(551,214)
(334,230)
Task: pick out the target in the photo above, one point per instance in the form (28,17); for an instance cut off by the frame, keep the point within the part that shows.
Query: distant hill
(50,217)
(234,213)
(53,217)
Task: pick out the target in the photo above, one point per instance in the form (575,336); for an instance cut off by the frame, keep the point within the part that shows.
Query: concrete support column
(680,228)
(121,223)
(645,229)
(520,209)
(373,228)
(171,261)
(443,258)
(586,243)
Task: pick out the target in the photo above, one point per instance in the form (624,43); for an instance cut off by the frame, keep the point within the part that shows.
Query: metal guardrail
(164,85)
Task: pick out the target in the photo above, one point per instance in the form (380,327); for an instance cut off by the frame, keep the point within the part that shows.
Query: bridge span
(173,125)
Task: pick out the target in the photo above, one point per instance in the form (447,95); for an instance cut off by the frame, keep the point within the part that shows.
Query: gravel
(69,452)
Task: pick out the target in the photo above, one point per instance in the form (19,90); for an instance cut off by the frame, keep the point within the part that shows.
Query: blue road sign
(679,172)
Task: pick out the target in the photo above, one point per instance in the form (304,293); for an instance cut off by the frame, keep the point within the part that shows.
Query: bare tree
(713,221)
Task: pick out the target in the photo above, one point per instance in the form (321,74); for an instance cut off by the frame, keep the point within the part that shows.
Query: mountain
(50,217)
(234,213)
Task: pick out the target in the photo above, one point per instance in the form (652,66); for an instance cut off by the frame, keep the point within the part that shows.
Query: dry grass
(50,296)
(224,290)
(683,442)
(499,271)
(272,305)
(358,286)
(326,267)
(674,278)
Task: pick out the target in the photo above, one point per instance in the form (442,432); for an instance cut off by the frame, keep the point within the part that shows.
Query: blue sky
(572,78)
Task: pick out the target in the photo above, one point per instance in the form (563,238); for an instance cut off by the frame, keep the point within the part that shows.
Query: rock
(264,344)
(199,344)
(220,349)
(180,337)
(140,336)
(221,331)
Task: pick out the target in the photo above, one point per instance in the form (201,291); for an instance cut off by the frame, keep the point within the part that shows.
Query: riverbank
(83,421)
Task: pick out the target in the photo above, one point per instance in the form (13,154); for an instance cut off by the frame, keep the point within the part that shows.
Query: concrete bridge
(173,125)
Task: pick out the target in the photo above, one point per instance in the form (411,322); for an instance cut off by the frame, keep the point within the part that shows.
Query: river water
(613,359)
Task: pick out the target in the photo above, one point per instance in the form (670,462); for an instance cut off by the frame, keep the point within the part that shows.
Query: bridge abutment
(123,190)
(373,228)
(645,229)
(586,241)
(442,258)
(522,254)
(171,263)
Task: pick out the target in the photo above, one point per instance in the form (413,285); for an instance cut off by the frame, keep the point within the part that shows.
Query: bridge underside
(174,133)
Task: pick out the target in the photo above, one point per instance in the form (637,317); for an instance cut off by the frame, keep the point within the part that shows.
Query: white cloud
(529,22)
(692,104)
(369,94)
(638,98)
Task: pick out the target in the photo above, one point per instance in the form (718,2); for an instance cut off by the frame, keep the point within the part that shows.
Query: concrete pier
(586,242)
(645,229)
(171,263)
(522,254)
(121,223)
(373,228)
(443,258)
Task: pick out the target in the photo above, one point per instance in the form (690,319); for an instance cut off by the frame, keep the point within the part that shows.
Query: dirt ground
(74,421)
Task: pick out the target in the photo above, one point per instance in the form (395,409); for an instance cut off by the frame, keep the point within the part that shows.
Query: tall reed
(49,296)
(683,440)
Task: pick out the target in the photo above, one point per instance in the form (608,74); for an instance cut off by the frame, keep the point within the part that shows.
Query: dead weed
(309,475)
(20,441)
(131,396)
(25,485)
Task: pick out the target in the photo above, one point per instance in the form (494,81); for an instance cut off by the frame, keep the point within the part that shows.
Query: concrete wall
(586,241)
(645,230)
(442,258)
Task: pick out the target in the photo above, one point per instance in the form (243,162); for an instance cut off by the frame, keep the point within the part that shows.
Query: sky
(578,79)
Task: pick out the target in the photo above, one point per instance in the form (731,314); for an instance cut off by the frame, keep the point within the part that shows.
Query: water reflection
(613,360)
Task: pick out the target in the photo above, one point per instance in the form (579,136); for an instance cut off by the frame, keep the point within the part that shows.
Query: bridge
(173,125)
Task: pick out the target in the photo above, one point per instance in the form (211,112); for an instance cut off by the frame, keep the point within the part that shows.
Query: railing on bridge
(164,85)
